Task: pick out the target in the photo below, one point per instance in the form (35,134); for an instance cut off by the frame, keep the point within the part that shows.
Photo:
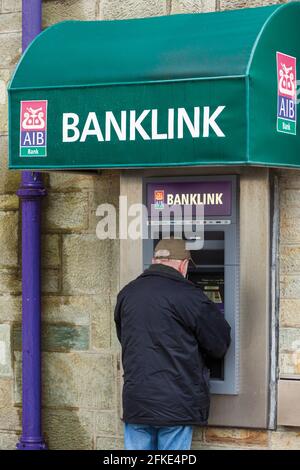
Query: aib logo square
(159,198)
(286,105)
(33,128)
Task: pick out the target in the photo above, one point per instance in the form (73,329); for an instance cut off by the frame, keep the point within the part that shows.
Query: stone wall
(80,351)
(290,273)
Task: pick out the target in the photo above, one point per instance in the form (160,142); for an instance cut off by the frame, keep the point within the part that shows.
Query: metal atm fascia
(229,225)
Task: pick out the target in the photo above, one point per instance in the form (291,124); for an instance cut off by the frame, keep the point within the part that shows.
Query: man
(166,326)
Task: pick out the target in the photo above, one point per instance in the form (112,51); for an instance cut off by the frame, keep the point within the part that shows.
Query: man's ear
(184,266)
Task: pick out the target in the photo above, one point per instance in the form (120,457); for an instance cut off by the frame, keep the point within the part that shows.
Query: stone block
(17,355)
(289,345)
(10,419)
(10,308)
(193,6)
(289,259)
(99,388)
(51,251)
(64,338)
(285,440)
(119,386)
(9,180)
(106,191)
(10,49)
(69,309)
(60,338)
(9,202)
(198,445)
(11,5)
(289,215)
(84,380)
(4,78)
(10,282)
(101,325)
(289,339)
(290,287)
(8,440)
(290,312)
(87,265)
(55,11)
(289,229)
(289,198)
(289,363)
(9,239)
(115,344)
(243,437)
(289,179)
(6,389)
(109,443)
(116,10)
(5,351)
(11,22)
(235,4)
(120,424)
(198,433)
(68,429)
(105,423)
(50,281)
(71,182)
(65,212)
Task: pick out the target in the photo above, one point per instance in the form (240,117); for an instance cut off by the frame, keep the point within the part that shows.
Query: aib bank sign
(126,125)
(33,129)
(286,104)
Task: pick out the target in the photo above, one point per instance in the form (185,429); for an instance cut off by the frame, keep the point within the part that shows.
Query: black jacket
(166,325)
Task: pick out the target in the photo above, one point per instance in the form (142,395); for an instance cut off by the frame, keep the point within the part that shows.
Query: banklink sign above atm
(182,90)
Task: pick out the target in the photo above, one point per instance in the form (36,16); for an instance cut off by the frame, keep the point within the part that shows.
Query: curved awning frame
(183,90)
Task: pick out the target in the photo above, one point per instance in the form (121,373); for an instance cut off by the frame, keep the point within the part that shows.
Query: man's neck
(165,268)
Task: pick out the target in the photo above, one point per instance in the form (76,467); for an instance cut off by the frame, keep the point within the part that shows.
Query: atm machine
(215,266)
(207,271)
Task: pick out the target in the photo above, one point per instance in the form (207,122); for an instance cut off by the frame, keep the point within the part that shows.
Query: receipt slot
(215,266)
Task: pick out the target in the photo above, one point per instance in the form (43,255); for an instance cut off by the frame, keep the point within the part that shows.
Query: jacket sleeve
(117,317)
(209,325)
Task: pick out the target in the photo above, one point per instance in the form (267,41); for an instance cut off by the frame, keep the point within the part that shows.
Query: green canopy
(199,89)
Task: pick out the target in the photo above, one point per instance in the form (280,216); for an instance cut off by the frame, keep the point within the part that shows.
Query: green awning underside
(182,90)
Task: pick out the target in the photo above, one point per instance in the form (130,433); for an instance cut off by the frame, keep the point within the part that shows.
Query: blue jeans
(145,437)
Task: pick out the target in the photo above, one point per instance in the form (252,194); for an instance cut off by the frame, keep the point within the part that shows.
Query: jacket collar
(164,271)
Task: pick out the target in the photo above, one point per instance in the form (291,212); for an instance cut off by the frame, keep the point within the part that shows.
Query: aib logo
(286,103)
(159,199)
(33,128)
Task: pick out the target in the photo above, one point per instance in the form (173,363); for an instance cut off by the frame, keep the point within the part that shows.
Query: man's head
(172,252)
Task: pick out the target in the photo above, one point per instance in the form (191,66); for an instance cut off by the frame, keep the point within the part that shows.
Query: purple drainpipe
(30,193)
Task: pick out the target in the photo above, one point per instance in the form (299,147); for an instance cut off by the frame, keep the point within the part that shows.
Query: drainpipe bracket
(31,192)
(31,444)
